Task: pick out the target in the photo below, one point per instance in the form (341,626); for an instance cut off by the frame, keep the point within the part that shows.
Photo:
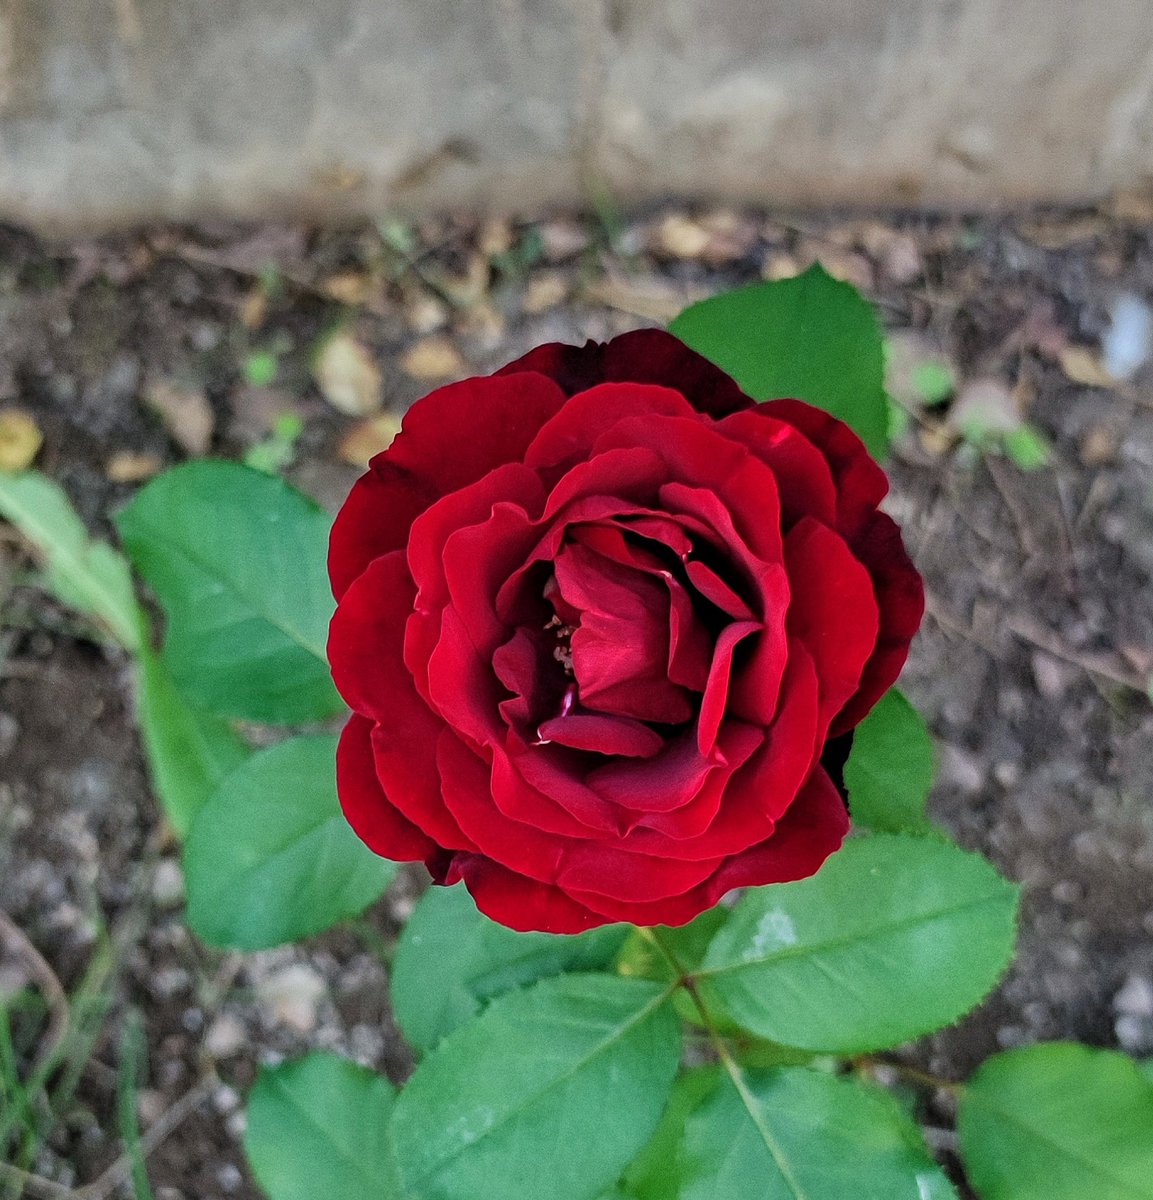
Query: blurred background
(262,229)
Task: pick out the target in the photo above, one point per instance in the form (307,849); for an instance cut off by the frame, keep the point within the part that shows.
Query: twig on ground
(48,982)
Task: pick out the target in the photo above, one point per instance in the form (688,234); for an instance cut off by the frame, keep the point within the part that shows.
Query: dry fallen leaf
(433,358)
(680,236)
(347,377)
(20,440)
(186,415)
(1082,365)
(545,291)
(128,466)
(348,287)
(368,438)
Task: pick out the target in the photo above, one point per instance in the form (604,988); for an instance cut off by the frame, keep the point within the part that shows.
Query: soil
(1029,668)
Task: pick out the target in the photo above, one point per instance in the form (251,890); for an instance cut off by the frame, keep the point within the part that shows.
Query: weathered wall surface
(116,110)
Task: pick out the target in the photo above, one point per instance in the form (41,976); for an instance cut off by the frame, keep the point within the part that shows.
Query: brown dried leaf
(368,438)
(1082,365)
(433,358)
(20,439)
(185,413)
(347,376)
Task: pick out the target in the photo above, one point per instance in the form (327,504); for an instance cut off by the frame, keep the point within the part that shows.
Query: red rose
(598,615)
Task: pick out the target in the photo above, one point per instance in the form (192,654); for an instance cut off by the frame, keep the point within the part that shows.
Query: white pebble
(1127,342)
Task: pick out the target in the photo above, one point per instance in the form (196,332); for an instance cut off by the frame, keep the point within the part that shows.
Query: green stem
(867,1062)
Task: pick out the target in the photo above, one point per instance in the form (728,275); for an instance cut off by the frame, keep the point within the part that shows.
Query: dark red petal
(861,484)
(812,829)
(366,638)
(405,757)
(382,828)
(521,903)
(716,694)
(832,610)
(593,867)
(374,519)
(448,439)
(465,782)
(699,457)
(901,601)
(457,434)
(570,435)
(804,477)
(602,735)
(642,356)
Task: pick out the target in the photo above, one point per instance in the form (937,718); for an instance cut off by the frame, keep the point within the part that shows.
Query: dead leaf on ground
(368,438)
(545,291)
(185,413)
(348,287)
(347,376)
(650,299)
(433,358)
(20,439)
(1082,364)
(129,466)
(985,406)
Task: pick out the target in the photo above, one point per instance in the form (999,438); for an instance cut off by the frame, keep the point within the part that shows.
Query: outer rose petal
(519,902)
(382,828)
(447,440)
(814,826)
(901,602)
(643,356)
(861,484)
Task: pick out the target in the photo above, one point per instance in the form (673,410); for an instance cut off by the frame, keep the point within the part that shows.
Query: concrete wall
(116,110)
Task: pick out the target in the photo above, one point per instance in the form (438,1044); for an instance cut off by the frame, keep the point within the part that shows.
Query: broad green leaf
(452,960)
(653,1174)
(85,574)
(237,560)
(1145,1066)
(318,1127)
(813,338)
(894,937)
(793,1134)
(890,768)
(550,1091)
(270,858)
(189,751)
(1058,1121)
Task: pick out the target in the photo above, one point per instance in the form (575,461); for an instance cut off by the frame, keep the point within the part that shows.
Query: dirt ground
(1030,667)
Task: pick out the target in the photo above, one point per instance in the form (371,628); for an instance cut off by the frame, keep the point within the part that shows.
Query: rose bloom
(598,616)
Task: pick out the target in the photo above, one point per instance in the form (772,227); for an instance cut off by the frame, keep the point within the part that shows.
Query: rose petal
(861,484)
(901,602)
(382,828)
(448,439)
(832,611)
(603,735)
(518,902)
(642,356)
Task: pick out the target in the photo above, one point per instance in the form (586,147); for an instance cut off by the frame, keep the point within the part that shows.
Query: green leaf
(794,1134)
(811,337)
(894,937)
(85,574)
(890,768)
(552,1089)
(1145,1066)
(653,1174)
(452,960)
(1058,1121)
(189,751)
(318,1126)
(270,857)
(1027,447)
(237,560)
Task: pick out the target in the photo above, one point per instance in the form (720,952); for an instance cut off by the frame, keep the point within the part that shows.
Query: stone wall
(116,110)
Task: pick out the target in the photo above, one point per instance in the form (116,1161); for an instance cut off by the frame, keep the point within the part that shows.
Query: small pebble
(226,1036)
(1135,997)
(290,997)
